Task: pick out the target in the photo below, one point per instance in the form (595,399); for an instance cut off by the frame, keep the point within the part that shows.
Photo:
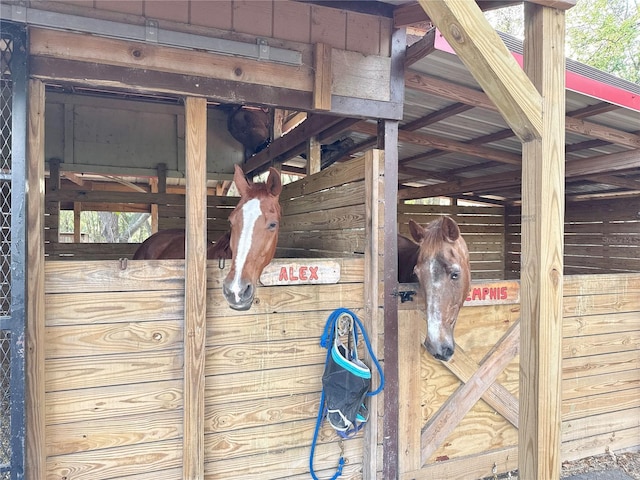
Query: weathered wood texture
(482,228)
(114,373)
(600,381)
(599,237)
(324,214)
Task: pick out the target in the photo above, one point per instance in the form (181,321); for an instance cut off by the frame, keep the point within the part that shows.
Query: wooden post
(314,156)
(322,77)
(388,133)
(53,208)
(409,390)
(195,287)
(542,250)
(371,285)
(35,398)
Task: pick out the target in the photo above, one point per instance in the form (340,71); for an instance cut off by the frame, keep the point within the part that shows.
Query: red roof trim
(574,82)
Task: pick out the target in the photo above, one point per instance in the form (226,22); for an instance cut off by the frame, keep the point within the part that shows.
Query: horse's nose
(445,354)
(240,299)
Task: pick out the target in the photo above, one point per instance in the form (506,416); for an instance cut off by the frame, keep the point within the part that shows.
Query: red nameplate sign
(493,293)
(313,272)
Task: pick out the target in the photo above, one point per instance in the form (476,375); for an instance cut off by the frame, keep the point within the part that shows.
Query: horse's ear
(417,232)
(274,183)
(450,229)
(239,179)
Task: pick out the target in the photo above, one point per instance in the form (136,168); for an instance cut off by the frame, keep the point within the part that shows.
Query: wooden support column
(53,208)
(314,155)
(543,173)
(322,77)
(372,163)
(195,287)
(36,456)
(388,136)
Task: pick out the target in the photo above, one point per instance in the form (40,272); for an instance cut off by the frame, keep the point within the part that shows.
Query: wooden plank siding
(600,379)
(599,237)
(113,369)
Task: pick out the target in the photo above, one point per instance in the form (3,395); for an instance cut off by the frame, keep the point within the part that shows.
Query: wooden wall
(114,374)
(285,20)
(482,228)
(324,214)
(599,237)
(600,382)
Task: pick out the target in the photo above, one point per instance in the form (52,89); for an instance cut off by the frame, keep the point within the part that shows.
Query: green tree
(605,34)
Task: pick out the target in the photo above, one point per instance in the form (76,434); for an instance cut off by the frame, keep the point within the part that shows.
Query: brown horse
(167,244)
(250,245)
(440,263)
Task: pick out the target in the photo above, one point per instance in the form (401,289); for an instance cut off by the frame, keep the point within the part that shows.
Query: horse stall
(139,369)
(114,351)
(464,413)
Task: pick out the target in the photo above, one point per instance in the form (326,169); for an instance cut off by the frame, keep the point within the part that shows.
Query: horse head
(444,275)
(254,235)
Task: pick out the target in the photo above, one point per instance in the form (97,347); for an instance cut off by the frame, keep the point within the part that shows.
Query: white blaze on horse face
(251,211)
(434,317)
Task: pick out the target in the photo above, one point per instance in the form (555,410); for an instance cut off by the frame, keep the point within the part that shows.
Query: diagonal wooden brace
(465,397)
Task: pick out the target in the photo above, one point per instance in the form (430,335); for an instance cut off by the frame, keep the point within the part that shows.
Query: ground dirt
(629,462)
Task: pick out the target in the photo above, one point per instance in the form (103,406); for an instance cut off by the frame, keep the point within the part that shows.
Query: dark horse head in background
(250,245)
(440,263)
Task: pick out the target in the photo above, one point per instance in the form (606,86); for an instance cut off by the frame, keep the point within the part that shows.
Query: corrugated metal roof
(421,164)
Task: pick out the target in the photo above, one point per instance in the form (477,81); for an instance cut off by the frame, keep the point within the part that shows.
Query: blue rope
(326,341)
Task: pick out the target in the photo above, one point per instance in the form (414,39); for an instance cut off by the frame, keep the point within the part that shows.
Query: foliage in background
(109,227)
(604,34)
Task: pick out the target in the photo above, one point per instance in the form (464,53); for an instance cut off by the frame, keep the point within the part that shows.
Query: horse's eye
(454,275)
(272,225)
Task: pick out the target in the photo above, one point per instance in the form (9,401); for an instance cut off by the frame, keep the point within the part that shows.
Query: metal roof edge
(580,78)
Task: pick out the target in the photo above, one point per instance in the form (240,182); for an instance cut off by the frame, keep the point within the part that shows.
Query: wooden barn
(113,368)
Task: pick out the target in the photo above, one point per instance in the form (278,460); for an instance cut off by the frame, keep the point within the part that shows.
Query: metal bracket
(405,295)
(151,31)
(263,49)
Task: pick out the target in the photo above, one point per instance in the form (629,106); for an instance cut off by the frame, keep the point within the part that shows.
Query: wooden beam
(322,77)
(543,180)
(420,49)
(444,421)
(292,144)
(463,366)
(412,13)
(613,162)
(195,287)
(442,88)
(36,454)
(615,181)
(441,143)
(483,52)
(100,50)
(442,114)
(601,164)
(559,4)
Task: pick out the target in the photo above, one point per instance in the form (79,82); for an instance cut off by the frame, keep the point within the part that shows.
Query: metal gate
(13,250)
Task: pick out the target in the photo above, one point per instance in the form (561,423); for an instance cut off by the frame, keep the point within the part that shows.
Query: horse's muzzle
(240,301)
(441,351)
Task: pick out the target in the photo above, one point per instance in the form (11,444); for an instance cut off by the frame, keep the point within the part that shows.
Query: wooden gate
(459,420)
